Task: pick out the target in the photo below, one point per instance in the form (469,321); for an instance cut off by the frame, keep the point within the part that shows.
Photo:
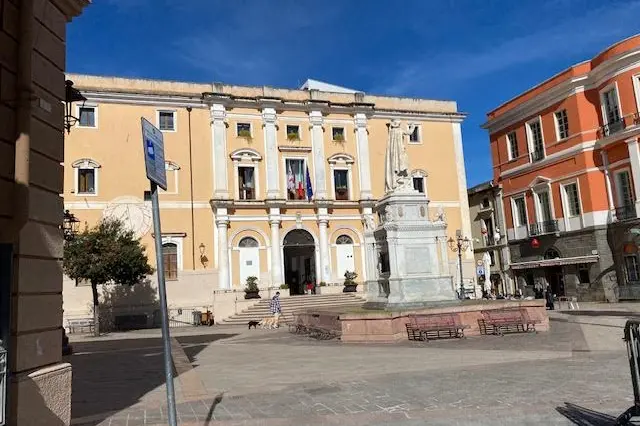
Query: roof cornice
(71,8)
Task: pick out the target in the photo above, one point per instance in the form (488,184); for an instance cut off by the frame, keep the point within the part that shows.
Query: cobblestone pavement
(263,377)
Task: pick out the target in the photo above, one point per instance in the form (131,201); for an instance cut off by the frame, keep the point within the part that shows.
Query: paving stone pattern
(264,378)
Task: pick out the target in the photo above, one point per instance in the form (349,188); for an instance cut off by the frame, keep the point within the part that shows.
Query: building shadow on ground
(129,307)
(113,375)
(582,416)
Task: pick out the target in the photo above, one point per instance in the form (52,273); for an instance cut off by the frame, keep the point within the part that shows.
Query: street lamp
(69,225)
(459,245)
(72,95)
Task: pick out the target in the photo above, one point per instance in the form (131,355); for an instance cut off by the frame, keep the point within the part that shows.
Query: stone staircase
(296,303)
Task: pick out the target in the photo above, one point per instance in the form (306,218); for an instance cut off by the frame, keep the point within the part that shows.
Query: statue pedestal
(411,253)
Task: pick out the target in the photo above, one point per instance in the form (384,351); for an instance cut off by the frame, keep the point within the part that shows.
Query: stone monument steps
(295,303)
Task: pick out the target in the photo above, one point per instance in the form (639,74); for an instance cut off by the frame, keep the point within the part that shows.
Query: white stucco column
(219,151)
(462,188)
(323,237)
(369,250)
(276,261)
(607,180)
(319,162)
(634,160)
(222,223)
(362,149)
(271,152)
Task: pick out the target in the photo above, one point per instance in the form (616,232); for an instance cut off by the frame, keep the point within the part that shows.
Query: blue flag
(309,187)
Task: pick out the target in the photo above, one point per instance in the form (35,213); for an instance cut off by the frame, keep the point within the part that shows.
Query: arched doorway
(554,274)
(344,255)
(249,258)
(299,260)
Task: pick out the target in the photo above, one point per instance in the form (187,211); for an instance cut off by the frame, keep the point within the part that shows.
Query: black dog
(253,324)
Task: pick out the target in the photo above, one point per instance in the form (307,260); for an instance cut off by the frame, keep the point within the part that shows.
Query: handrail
(632,338)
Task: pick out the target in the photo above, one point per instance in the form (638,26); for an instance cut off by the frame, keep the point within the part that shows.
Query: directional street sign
(154,154)
(480,270)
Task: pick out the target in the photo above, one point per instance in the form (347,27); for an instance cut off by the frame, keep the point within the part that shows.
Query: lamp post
(69,225)
(459,245)
(72,95)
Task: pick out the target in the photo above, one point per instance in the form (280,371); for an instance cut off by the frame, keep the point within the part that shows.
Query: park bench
(507,320)
(422,327)
(322,326)
(297,325)
(80,323)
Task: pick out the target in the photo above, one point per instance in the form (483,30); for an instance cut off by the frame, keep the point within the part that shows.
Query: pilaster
(271,152)
(276,261)
(462,187)
(634,159)
(607,179)
(323,231)
(319,161)
(362,147)
(219,151)
(222,224)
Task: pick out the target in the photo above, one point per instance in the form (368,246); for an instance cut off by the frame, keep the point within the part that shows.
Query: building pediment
(539,181)
(246,154)
(341,158)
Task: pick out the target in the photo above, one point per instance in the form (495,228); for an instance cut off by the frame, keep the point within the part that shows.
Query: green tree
(106,254)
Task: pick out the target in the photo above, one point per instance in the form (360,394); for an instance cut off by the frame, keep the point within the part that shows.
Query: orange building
(566,155)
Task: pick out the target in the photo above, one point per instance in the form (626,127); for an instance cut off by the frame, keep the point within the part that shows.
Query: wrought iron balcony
(537,156)
(626,212)
(546,227)
(618,125)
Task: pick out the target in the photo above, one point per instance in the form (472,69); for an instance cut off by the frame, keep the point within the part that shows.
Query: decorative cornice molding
(71,8)
(606,70)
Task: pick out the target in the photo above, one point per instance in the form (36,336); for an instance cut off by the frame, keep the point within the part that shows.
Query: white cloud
(599,27)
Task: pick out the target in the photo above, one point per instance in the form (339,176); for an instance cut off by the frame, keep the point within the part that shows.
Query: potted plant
(293,136)
(350,284)
(338,137)
(244,133)
(251,291)
(284,286)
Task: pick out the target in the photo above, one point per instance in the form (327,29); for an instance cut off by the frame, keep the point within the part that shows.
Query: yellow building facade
(265,182)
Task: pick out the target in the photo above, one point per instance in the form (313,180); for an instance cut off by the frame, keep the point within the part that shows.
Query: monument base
(412,254)
(389,325)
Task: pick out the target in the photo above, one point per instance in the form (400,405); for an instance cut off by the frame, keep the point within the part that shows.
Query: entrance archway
(554,274)
(299,260)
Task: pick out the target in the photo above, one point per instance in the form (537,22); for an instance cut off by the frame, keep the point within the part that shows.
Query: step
(266,312)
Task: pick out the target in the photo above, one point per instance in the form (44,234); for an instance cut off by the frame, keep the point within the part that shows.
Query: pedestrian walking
(274,305)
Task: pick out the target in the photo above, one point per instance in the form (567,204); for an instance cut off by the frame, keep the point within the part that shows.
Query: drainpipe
(193,226)
(23,121)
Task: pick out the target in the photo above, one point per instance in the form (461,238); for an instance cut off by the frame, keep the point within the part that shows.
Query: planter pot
(252,294)
(350,288)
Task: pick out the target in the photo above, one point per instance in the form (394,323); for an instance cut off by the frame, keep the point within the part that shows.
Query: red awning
(555,262)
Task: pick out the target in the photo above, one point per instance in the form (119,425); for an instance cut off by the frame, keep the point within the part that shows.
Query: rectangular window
(623,185)
(87,116)
(414,136)
(512,146)
(170,260)
(573,199)
(167,120)
(418,184)
(293,132)
(296,183)
(243,130)
(337,133)
(520,215)
(536,144)
(485,203)
(246,183)
(562,124)
(611,110)
(492,256)
(488,231)
(544,205)
(86,181)
(583,274)
(341,184)
(631,266)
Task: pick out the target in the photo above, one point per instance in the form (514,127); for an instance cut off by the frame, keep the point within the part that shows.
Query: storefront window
(631,266)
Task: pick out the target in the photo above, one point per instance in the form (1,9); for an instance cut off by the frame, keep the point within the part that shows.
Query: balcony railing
(537,156)
(626,212)
(546,227)
(618,125)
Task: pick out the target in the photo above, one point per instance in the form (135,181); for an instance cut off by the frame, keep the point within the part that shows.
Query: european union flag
(309,187)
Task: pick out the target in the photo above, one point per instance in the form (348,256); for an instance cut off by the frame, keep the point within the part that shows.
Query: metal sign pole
(162,291)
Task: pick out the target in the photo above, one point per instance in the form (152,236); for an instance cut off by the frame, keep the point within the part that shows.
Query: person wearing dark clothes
(549,297)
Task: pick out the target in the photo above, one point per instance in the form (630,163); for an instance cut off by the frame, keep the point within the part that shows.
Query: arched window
(344,239)
(170,260)
(86,176)
(248,242)
(552,253)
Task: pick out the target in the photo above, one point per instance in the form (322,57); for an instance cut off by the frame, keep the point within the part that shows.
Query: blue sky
(479,53)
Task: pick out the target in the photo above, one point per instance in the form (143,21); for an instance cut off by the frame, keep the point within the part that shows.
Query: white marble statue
(397,163)
(441,215)
(369,224)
